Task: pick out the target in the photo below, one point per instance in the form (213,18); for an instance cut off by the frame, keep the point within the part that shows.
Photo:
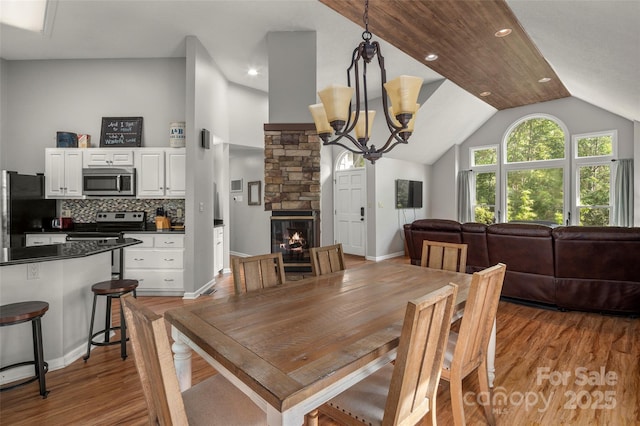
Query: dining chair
(212,401)
(403,393)
(467,350)
(327,259)
(262,271)
(447,256)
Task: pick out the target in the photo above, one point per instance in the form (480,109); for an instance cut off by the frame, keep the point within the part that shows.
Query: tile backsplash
(84,211)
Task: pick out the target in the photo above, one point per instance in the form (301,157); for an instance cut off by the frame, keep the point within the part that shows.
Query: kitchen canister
(176,134)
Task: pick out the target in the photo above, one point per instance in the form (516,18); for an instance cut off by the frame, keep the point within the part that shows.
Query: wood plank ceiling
(461,33)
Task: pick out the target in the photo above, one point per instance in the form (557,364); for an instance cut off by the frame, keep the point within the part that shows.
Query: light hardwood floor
(549,364)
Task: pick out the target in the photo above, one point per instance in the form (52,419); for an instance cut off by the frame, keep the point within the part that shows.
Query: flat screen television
(408,194)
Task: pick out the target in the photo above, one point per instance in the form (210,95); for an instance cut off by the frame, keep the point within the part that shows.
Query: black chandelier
(336,111)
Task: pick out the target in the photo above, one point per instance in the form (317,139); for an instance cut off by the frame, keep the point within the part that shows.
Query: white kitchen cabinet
(218,250)
(157,263)
(44,239)
(161,173)
(63,173)
(107,157)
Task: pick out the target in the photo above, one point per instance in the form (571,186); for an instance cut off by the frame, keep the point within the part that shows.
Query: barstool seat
(111,289)
(17,313)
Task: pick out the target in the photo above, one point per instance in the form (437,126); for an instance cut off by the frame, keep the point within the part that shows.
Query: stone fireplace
(292,191)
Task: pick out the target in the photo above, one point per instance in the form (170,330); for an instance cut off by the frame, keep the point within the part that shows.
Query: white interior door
(350,201)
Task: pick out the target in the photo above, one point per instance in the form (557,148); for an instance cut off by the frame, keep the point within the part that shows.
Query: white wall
(443,186)
(292,75)
(250,225)
(73,95)
(248,112)
(389,237)
(579,117)
(206,107)
(3,110)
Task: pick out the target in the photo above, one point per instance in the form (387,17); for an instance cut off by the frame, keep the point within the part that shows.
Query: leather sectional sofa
(568,267)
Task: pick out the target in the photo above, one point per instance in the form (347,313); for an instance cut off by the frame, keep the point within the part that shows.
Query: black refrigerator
(23,208)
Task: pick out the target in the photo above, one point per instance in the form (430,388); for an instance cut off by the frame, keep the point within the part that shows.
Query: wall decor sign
(120,132)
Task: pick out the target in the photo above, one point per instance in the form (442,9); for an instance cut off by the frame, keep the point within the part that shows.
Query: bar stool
(111,289)
(16,313)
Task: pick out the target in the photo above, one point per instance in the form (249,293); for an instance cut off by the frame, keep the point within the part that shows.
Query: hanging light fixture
(336,112)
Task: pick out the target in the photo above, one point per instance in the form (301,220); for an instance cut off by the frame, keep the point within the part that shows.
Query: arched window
(537,175)
(348,160)
(534,170)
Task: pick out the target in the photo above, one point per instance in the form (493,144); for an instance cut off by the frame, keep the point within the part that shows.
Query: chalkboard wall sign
(121,132)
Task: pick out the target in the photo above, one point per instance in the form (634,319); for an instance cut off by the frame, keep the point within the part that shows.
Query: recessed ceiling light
(28,15)
(252,72)
(544,80)
(483,94)
(431,57)
(503,32)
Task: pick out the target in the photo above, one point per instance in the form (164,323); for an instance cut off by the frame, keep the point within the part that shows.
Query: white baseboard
(200,291)
(386,256)
(27,371)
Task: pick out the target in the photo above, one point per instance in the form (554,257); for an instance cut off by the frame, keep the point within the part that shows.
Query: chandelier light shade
(338,115)
(362,131)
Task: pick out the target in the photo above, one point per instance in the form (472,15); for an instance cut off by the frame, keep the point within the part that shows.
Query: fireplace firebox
(293,233)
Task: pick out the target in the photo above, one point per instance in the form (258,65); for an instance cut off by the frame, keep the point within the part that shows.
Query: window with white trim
(594,177)
(484,162)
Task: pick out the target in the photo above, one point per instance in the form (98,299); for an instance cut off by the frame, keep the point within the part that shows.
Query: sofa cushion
(598,268)
(611,253)
(522,247)
(474,236)
(448,231)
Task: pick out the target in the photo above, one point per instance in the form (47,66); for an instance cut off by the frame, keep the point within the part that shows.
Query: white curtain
(465,186)
(623,194)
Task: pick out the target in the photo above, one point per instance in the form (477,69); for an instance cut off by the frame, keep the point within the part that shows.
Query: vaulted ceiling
(504,71)
(589,49)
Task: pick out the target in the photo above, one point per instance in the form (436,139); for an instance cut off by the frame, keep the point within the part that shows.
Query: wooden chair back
(447,256)
(471,343)
(262,271)
(479,313)
(154,362)
(327,259)
(416,374)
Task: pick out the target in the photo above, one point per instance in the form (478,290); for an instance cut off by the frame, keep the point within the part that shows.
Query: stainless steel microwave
(109,182)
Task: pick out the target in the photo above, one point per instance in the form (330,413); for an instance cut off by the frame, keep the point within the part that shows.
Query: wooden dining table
(293,347)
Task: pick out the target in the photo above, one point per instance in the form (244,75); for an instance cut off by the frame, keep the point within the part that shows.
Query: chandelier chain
(366,35)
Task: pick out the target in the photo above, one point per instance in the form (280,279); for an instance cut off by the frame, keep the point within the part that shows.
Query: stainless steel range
(111,226)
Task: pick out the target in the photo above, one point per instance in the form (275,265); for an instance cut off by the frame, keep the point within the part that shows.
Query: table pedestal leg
(491,355)
(182,361)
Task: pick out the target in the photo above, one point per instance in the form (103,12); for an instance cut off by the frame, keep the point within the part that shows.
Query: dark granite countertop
(88,228)
(68,250)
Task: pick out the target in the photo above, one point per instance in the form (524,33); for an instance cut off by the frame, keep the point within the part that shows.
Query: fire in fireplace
(293,233)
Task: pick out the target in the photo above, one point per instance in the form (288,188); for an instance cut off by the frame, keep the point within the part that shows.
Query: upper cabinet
(161,173)
(108,157)
(63,173)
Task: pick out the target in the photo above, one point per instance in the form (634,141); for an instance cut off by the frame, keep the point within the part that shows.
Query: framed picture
(255,193)
(236,185)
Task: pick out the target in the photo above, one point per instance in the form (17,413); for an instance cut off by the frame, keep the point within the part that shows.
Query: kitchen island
(62,275)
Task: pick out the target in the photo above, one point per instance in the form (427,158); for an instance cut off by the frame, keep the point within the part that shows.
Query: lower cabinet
(157,263)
